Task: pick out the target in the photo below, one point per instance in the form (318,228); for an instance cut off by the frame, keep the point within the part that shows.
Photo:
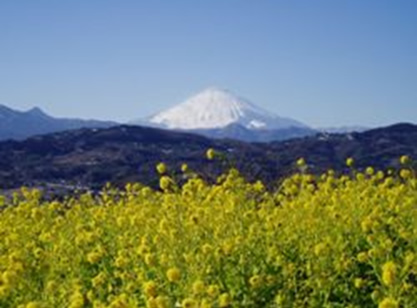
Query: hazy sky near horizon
(325,63)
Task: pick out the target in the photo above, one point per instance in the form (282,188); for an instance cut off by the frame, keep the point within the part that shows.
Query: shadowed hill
(91,157)
(19,125)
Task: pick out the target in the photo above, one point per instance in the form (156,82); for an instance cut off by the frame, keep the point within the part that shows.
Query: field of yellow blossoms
(316,241)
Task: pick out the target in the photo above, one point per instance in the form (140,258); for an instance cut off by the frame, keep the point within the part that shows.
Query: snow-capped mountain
(218,113)
(216,108)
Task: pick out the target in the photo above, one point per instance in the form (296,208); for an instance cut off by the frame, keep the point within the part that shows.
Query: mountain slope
(91,157)
(22,124)
(218,113)
(241,133)
(217,108)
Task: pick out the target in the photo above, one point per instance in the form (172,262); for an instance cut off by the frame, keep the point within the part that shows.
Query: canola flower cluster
(317,241)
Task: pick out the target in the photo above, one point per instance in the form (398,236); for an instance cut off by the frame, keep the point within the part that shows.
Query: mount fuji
(218,113)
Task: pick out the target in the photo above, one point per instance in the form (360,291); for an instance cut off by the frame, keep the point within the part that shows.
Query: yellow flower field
(317,241)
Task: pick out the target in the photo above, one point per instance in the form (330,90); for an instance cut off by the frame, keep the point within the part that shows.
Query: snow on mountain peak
(217,108)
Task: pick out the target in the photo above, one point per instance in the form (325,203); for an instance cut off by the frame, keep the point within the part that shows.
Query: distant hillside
(92,157)
(19,125)
(343,129)
(241,133)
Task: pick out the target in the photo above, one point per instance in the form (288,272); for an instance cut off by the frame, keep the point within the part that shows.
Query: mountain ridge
(91,157)
(20,125)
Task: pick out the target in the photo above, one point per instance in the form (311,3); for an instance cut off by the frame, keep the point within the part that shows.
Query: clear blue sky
(326,63)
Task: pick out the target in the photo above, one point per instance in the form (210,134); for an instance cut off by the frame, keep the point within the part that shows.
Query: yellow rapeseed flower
(33,305)
(51,286)
(121,261)
(161,168)
(375,295)
(149,259)
(210,154)
(206,249)
(150,288)
(319,249)
(224,300)
(370,171)
(162,302)
(98,280)
(359,283)
(405,173)
(388,302)
(76,300)
(389,271)
(362,257)
(255,281)
(9,276)
(367,224)
(173,274)
(165,182)
(301,162)
(205,303)
(151,303)
(189,303)
(404,160)
(94,257)
(4,290)
(198,287)
(213,290)
(184,168)
(350,162)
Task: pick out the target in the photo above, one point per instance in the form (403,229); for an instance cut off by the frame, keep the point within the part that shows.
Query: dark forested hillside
(88,158)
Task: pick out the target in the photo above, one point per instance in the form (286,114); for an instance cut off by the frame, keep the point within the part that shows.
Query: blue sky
(326,63)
